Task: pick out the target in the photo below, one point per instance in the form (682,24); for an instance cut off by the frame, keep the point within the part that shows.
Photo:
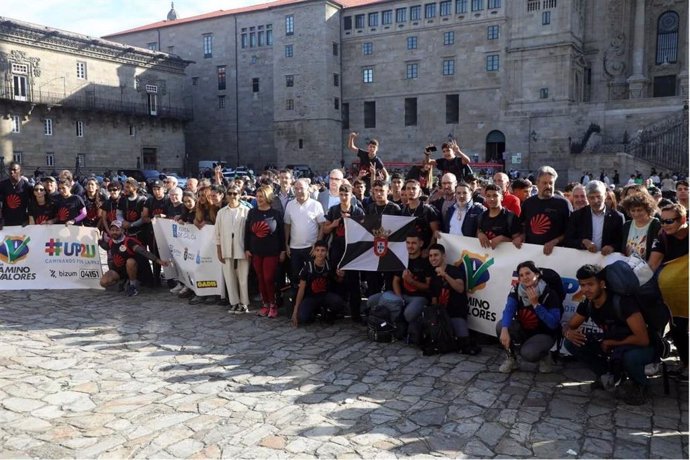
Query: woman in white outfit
(230,223)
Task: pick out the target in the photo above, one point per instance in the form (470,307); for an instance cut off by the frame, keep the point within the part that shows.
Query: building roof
(246,9)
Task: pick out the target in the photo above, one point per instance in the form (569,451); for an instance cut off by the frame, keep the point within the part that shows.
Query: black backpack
(437,331)
(380,326)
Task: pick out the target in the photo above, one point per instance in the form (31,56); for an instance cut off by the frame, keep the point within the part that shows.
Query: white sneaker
(546,365)
(652,369)
(184,291)
(241,308)
(178,287)
(508,366)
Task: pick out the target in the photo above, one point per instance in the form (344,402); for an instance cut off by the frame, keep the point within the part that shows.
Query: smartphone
(432,148)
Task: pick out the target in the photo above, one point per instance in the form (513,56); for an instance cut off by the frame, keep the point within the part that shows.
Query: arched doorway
(495,146)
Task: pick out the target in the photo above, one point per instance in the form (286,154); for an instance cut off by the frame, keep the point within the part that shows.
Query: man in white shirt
(304,217)
(463,217)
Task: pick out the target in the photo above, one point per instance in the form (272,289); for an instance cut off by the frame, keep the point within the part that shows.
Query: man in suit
(331,197)
(595,228)
(462,217)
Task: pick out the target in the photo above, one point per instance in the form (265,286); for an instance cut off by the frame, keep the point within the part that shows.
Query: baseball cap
(157,183)
(49,179)
(116,223)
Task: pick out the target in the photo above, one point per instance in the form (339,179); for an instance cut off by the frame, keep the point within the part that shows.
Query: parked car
(299,171)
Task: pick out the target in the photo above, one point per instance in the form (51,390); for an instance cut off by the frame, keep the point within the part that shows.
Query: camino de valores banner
(193,253)
(49,257)
(490,274)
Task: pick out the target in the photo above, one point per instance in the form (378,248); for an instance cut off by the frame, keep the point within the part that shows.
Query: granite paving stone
(93,374)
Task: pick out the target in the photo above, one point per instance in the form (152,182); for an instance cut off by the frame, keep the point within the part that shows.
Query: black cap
(156,183)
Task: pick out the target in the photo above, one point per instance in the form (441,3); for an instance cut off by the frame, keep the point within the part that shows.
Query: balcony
(89,102)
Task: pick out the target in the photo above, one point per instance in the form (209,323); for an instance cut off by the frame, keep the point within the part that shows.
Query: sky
(103,17)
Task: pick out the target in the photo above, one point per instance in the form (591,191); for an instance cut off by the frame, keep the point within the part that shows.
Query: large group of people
(284,237)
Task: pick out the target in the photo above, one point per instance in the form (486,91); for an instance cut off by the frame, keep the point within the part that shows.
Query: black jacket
(580,228)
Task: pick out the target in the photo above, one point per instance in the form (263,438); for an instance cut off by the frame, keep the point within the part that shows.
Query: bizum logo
(14,249)
(476,269)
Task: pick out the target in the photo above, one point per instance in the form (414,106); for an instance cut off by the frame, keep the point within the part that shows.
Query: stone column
(637,82)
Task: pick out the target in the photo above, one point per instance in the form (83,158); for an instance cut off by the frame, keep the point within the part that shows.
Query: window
(195,81)
(411,43)
(289,104)
(336,103)
(20,87)
(492,32)
(16,124)
(335,49)
(289,81)
(347,23)
(494,4)
(452,108)
(48,126)
(345,114)
(492,62)
(81,160)
(152,101)
(252,38)
(269,34)
(667,38)
(543,93)
(445,8)
(261,37)
(367,48)
(359,21)
(50,159)
(448,66)
(460,6)
(429,10)
(410,111)
(255,85)
(17,157)
(221,77)
(336,79)
(79,126)
(368,75)
(81,70)
(448,38)
(132,130)
(477,5)
(546,18)
(370,114)
(665,86)
(208,45)
(373,19)
(21,69)
(288,51)
(415,13)
(400,15)
(289,25)
(153,46)
(386,17)
(221,102)
(411,71)
(244,40)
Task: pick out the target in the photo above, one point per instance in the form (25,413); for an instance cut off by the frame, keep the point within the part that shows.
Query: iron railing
(664,144)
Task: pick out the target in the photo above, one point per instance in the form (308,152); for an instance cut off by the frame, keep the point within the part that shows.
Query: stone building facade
(527,82)
(69,100)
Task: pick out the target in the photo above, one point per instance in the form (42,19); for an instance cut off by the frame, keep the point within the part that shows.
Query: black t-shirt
(425,215)
(389,209)
(455,167)
(15,201)
(120,252)
(173,211)
(504,224)
(338,241)
(670,246)
(421,270)
(365,162)
(263,234)
(92,208)
(110,208)
(188,215)
(417,173)
(614,326)
(156,206)
(68,208)
(318,279)
(544,220)
(131,212)
(455,302)
(42,213)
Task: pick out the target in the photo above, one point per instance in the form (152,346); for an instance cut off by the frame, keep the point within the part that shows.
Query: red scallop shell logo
(527,318)
(63,215)
(444,298)
(92,213)
(132,215)
(409,287)
(112,215)
(540,224)
(490,235)
(318,285)
(118,260)
(41,219)
(13,201)
(260,229)
(157,212)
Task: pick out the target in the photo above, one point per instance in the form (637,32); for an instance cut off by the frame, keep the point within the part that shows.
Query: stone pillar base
(637,86)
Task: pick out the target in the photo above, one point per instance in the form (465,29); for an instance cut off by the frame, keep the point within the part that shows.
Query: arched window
(667,38)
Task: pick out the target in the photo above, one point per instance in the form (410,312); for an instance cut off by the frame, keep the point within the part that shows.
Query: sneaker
(652,369)
(273,312)
(508,366)
(546,364)
(264,310)
(241,308)
(178,287)
(196,300)
(609,381)
(231,310)
(636,395)
(132,291)
(185,293)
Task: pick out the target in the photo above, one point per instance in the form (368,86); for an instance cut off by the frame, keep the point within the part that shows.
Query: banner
(491,275)
(49,257)
(193,252)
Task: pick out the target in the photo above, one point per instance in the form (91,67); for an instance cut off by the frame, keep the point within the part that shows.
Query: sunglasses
(232,193)
(668,221)
(113,189)
(39,190)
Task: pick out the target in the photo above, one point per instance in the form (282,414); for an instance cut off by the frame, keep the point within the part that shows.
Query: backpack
(380,326)
(438,335)
(662,347)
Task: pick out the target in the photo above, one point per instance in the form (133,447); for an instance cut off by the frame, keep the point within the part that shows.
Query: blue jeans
(411,306)
(633,358)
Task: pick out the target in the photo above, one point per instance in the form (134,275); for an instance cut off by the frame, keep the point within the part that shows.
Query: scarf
(522,292)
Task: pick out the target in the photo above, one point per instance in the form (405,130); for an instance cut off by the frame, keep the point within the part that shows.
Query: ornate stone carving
(614,57)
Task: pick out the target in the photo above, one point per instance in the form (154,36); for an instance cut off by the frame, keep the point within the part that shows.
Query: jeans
(633,358)
(533,348)
(298,257)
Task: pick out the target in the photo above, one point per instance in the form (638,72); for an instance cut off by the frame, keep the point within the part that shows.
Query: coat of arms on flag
(377,243)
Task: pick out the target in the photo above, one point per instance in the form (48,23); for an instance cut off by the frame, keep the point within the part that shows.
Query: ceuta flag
(377,244)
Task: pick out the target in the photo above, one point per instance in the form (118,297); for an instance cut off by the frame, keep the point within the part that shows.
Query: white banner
(492,274)
(49,257)
(193,253)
